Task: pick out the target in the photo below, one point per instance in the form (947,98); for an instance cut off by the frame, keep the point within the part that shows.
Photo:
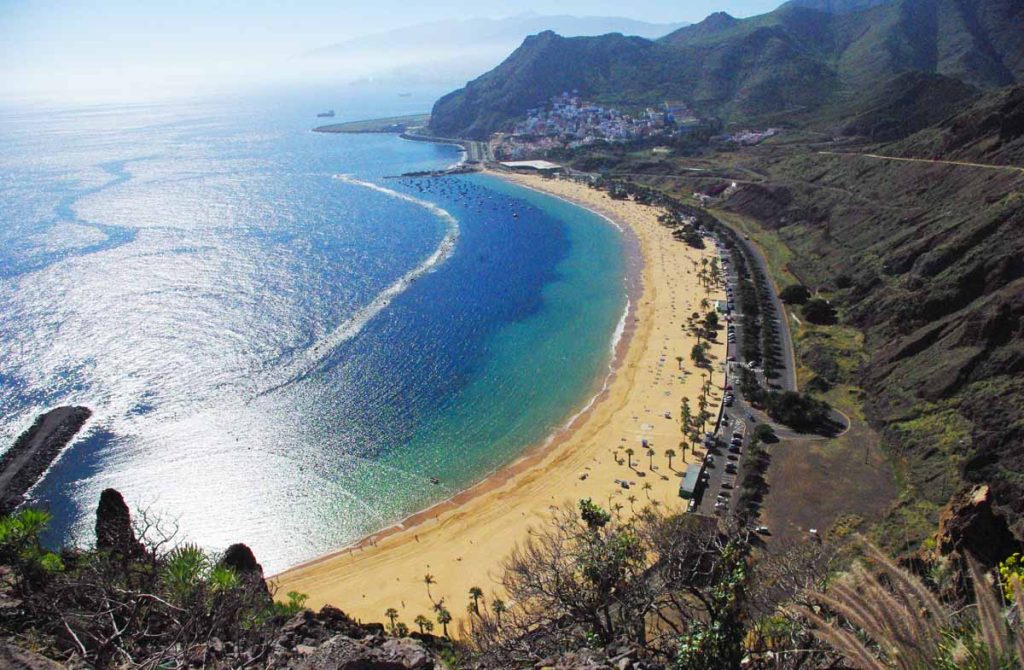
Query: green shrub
(795,294)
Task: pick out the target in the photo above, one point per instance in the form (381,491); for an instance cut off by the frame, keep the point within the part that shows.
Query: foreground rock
(35,450)
(969,524)
(114,532)
(331,640)
(15,658)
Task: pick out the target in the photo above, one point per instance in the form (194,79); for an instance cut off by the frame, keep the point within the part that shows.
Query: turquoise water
(282,345)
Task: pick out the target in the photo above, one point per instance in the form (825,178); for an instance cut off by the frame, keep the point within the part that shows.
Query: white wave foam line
(319,351)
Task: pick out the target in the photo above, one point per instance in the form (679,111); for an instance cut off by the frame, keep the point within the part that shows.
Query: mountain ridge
(798,61)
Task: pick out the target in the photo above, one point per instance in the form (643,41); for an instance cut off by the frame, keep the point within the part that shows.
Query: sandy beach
(462,542)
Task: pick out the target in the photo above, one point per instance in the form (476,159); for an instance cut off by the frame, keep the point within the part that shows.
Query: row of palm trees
(651,453)
(444,616)
(692,426)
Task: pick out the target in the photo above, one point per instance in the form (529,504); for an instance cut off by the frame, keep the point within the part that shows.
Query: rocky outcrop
(970,524)
(373,653)
(114,532)
(331,640)
(35,450)
(239,557)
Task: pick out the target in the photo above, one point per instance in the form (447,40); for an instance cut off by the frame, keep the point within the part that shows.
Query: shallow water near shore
(282,346)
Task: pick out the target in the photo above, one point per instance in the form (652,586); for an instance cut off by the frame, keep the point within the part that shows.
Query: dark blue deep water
(281,344)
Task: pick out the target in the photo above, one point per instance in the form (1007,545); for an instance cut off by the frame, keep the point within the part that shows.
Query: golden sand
(462,543)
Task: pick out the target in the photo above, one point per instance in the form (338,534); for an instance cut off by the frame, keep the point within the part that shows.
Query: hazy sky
(69,46)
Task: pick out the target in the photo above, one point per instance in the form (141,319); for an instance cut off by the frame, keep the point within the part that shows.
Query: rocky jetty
(35,450)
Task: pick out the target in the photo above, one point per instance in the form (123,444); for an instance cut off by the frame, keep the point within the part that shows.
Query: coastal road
(742,418)
(933,161)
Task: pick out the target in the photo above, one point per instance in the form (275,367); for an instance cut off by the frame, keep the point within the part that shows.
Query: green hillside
(799,61)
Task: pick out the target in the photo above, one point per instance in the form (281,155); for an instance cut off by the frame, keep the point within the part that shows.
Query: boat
(405,95)
(326,115)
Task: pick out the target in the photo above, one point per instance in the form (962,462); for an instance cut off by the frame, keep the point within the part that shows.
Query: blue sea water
(281,344)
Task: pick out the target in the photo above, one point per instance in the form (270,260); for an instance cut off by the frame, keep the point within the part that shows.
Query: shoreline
(462,539)
(537,451)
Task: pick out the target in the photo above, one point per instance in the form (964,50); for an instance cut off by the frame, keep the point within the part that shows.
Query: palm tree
(679,360)
(632,501)
(687,416)
(425,624)
(498,607)
(617,507)
(705,304)
(444,617)
(392,615)
(629,456)
(428,579)
(650,457)
(476,593)
(647,489)
(670,454)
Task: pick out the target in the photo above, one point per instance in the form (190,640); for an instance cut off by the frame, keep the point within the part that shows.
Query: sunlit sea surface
(281,345)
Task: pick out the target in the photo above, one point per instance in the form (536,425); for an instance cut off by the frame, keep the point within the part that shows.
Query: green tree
(475,594)
(795,294)
(425,625)
(392,615)
(819,311)
(498,607)
(444,617)
(428,580)
(670,454)
(592,514)
(687,419)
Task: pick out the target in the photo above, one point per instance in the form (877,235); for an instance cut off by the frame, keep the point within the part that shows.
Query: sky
(125,47)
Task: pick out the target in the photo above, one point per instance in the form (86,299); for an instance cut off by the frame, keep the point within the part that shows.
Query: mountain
(991,132)
(544,66)
(796,63)
(838,6)
(457,50)
(926,260)
(907,104)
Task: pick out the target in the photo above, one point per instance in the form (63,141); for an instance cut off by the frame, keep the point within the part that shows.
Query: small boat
(435,480)
(329,114)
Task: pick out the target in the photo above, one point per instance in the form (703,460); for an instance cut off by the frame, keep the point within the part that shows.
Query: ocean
(283,344)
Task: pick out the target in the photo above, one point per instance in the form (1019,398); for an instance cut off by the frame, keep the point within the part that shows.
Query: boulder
(969,523)
(114,532)
(239,557)
(373,653)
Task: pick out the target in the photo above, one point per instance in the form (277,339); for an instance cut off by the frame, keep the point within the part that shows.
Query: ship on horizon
(326,115)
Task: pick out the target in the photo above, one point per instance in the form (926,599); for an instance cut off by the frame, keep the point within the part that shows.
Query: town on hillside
(569,122)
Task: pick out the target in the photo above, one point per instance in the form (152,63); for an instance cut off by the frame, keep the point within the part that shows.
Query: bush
(801,412)
(820,312)
(795,294)
(764,433)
